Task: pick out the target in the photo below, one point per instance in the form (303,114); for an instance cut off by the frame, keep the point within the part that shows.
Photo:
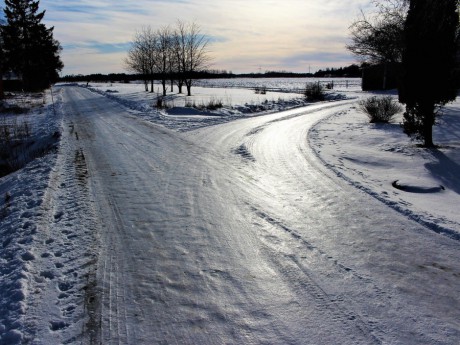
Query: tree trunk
(151,85)
(428,123)
(163,83)
(385,71)
(428,137)
(172,85)
(188,84)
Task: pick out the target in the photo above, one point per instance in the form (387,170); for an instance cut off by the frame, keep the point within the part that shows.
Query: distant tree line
(127,77)
(353,71)
(273,74)
(124,77)
(27,47)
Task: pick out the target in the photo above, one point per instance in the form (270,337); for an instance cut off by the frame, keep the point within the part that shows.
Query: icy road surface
(237,234)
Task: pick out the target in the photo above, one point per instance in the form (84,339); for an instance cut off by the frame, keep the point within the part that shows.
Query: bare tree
(136,63)
(191,52)
(172,62)
(172,54)
(378,39)
(163,54)
(178,42)
(142,55)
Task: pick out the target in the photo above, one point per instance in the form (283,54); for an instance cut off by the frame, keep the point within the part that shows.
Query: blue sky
(246,35)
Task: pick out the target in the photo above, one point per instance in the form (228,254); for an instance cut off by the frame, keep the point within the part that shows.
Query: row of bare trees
(173,54)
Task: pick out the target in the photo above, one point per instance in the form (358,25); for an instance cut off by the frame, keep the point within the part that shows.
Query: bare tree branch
(378,38)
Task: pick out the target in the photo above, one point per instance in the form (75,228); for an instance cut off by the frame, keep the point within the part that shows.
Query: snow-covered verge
(46,246)
(377,158)
(21,196)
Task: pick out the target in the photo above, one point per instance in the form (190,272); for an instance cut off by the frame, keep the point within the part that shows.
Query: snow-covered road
(238,234)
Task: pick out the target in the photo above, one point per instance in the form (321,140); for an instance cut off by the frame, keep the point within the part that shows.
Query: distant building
(380,77)
(11,82)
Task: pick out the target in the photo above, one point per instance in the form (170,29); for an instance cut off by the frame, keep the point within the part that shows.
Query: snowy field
(295,85)
(48,245)
(237,97)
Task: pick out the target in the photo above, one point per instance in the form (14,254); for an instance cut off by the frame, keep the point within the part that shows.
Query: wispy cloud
(99,47)
(317,60)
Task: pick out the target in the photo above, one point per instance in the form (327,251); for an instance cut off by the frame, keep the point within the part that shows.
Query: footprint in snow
(58,325)
(65,286)
(47,274)
(27,214)
(58,216)
(28,256)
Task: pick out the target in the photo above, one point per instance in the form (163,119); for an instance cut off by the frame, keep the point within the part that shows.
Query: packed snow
(268,220)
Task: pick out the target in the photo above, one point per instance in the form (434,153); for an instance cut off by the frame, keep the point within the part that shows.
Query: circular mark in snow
(417,189)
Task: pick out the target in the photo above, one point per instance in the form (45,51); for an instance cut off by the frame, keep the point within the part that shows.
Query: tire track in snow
(320,206)
(382,298)
(201,273)
(155,218)
(300,254)
(106,312)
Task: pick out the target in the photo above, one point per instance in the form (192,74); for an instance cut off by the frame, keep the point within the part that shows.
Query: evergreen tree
(428,81)
(30,49)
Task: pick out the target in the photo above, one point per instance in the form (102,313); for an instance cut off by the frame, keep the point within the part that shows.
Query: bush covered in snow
(314,92)
(380,109)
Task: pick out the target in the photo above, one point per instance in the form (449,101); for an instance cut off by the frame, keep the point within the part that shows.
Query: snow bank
(21,197)
(377,158)
(48,237)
